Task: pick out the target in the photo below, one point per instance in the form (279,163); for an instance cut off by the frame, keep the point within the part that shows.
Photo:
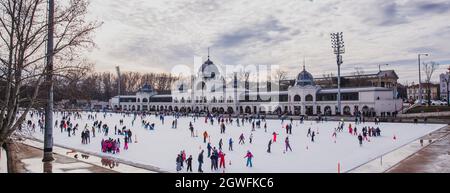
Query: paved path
(109,163)
(396,157)
(31,162)
(434,158)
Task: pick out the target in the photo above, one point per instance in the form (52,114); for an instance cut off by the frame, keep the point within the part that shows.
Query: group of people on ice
(112,146)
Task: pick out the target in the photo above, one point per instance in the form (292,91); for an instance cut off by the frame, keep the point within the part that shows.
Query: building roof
(358,89)
(304,78)
(146,88)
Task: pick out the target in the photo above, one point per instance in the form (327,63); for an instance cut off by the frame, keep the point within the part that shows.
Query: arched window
(145,100)
(309,98)
(297,98)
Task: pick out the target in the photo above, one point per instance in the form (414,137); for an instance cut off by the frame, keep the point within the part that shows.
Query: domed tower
(209,70)
(304,78)
(146,88)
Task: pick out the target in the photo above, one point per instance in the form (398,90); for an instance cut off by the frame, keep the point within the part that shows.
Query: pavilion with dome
(209,92)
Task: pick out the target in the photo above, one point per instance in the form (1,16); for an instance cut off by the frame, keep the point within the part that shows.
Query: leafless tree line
(104,85)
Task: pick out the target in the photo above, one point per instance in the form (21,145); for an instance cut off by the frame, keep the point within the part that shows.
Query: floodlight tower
(337,43)
(118,84)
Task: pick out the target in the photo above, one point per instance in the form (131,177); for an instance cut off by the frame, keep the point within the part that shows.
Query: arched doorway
(347,110)
(327,110)
(297,98)
(309,98)
(230,110)
(248,109)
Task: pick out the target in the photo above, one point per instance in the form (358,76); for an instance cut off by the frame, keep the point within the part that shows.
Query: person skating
(360,139)
(179,160)
(200,161)
(220,144)
(269,145)
(309,132)
(241,139)
(189,164)
(222,159)
(191,128)
(209,149)
(183,157)
(205,135)
(249,157)
(216,158)
(288,146)
(274,137)
(125,147)
(251,138)
(230,144)
(312,136)
(213,159)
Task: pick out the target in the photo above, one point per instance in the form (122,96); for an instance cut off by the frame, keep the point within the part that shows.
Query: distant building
(413,91)
(444,84)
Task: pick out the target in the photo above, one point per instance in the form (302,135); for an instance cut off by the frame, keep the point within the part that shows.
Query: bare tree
(23,30)
(328,79)
(428,69)
(359,72)
(280,75)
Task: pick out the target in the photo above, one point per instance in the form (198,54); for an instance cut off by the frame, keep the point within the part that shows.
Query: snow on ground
(160,147)
(3,164)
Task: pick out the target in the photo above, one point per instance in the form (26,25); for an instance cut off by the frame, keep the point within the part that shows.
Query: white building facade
(444,82)
(209,92)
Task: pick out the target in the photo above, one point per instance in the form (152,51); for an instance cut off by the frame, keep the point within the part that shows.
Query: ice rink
(160,147)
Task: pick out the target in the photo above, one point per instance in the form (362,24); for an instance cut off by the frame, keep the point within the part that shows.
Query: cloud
(157,35)
(269,31)
(435,7)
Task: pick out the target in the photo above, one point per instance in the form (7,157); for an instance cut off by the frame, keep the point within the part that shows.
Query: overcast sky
(156,35)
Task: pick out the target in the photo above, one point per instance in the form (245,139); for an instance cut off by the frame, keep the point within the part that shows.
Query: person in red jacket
(249,157)
(274,137)
(205,135)
(222,159)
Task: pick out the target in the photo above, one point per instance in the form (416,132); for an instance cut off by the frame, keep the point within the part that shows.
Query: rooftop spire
(304,68)
(208,53)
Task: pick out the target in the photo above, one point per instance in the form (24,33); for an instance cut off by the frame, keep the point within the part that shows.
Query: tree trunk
(11,157)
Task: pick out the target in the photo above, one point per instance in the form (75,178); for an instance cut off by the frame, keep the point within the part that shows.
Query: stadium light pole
(447,80)
(48,131)
(118,85)
(420,79)
(337,43)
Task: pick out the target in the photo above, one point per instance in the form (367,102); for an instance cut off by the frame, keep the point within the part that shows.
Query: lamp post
(420,79)
(337,43)
(118,85)
(48,132)
(447,80)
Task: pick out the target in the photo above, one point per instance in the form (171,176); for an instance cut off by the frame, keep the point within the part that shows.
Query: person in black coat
(360,139)
(268,146)
(200,161)
(189,164)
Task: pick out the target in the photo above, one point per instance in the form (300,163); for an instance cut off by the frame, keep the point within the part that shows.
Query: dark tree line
(103,85)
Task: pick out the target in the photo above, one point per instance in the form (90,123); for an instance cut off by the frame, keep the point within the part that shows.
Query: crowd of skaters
(217,155)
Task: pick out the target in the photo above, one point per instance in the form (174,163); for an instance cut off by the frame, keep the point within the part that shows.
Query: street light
(420,79)
(48,132)
(447,80)
(337,43)
(118,85)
